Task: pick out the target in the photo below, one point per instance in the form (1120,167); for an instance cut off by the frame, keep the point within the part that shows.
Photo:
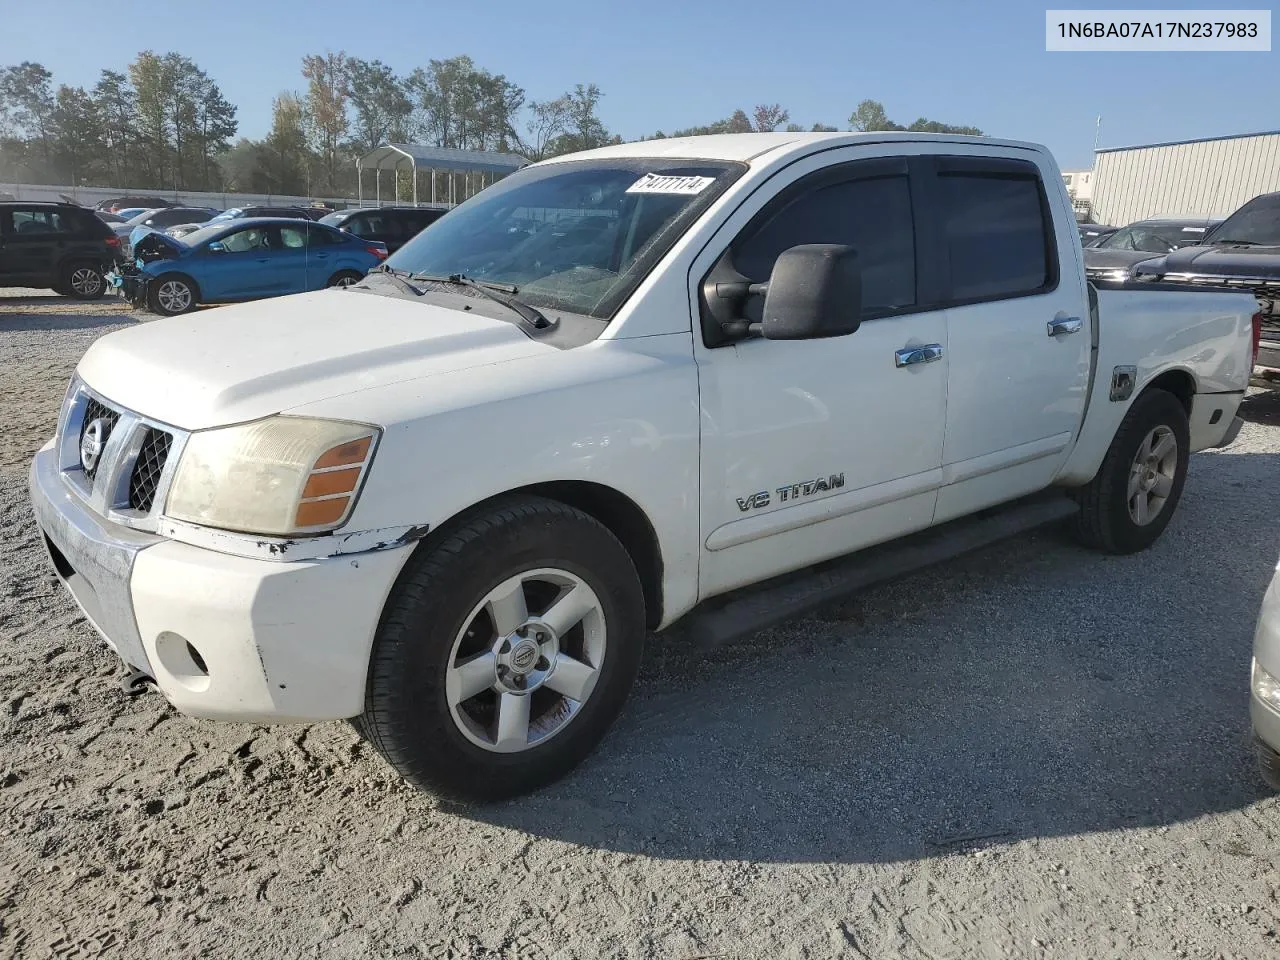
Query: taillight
(379,252)
(113,241)
(1257,335)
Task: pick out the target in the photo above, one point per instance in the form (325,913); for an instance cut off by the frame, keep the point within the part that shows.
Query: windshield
(577,236)
(1147,239)
(334,219)
(137,220)
(207,232)
(1258,221)
(226,215)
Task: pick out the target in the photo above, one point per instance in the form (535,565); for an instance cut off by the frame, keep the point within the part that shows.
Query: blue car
(241,260)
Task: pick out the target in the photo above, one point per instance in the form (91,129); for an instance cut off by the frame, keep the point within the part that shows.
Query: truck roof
(744,147)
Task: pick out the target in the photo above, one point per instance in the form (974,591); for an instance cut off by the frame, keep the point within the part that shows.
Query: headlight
(282,475)
(1266,687)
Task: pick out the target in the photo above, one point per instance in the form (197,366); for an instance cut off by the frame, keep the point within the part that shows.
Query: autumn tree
(326,114)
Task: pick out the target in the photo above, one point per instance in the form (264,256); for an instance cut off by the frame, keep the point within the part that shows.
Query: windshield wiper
(1235,243)
(401,276)
(497,292)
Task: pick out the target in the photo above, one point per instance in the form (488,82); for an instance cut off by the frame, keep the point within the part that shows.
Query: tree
(768,117)
(215,125)
(933,126)
(151,85)
(822,128)
(381,101)
(326,113)
(548,120)
(77,134)
(285,157)
(27,94)
(869,115)
(117,107)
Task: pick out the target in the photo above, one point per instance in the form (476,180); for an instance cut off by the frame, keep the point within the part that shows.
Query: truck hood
(1246,263)
(238,363)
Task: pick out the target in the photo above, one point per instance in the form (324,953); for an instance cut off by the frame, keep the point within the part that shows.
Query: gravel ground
(1034,751)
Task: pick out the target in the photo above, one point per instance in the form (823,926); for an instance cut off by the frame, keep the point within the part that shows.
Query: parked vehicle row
(1117,252)
(73,249)
(450,502)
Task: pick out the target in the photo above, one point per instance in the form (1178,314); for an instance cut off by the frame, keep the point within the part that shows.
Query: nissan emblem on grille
(91,443)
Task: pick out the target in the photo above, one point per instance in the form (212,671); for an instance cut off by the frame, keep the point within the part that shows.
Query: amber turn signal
(326,497)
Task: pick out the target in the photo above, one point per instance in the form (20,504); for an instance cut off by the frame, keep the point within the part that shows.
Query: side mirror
(815,290)
(215,246)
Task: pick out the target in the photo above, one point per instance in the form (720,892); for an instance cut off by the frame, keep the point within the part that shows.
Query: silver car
(1264,704)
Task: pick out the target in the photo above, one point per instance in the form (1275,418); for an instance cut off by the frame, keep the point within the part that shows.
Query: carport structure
(479,168)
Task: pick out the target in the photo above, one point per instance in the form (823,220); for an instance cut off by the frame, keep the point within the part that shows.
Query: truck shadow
(15,322)
(1033,689)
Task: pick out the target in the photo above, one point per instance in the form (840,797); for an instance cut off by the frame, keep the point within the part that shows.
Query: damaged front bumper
(263,638)
(129,283)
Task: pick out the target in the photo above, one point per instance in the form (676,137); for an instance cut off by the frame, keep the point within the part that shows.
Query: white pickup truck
(450,501)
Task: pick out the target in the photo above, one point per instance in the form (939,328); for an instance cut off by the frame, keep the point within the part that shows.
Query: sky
(664,65)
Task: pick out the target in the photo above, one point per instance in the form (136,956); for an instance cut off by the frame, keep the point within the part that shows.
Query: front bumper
(1266,655)
(225,637)
(131,285)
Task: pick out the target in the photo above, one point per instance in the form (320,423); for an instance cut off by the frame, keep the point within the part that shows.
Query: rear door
(36,245)
(323,251)
(1017,329)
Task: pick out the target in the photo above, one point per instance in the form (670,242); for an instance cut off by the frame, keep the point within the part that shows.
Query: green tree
(77,135)
(215,125)
(822,128)
(27,94)
(381,103)
(285,156)
(869,115)
(933,126)
(117,108)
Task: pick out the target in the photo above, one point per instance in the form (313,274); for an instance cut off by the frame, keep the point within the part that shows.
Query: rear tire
(1130,501)
(82,280)
(344,278)
(516,604)
(171,294)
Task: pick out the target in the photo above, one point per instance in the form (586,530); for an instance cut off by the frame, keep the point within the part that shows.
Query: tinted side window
(27,222)
(873,216)
(320,237)
(996,236)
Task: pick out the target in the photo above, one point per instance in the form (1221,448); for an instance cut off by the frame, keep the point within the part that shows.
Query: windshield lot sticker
(656,183)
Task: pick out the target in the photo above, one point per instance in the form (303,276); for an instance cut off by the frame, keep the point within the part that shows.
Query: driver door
(815,448)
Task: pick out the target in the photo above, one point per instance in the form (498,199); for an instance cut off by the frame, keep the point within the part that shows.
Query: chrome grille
(130,479)
(96,410)
(148,468)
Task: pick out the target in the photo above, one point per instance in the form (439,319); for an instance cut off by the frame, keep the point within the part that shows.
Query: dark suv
(394,226)
(55,245)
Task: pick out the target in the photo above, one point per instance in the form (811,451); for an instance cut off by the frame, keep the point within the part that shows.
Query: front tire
(171,295)
(82,281)
(1128,504)
(505,652)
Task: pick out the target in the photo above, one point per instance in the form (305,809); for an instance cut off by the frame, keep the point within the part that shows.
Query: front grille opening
(147,469)
(96,410)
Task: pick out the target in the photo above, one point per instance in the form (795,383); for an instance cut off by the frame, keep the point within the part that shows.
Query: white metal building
(1194,178)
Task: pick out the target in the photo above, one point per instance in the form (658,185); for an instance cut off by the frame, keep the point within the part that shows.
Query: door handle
(909,356)
(1060,326)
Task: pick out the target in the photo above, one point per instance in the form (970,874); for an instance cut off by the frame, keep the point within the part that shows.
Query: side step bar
(766,604)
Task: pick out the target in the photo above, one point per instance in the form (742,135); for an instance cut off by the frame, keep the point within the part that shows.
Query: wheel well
(1177,382)
(618,512)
